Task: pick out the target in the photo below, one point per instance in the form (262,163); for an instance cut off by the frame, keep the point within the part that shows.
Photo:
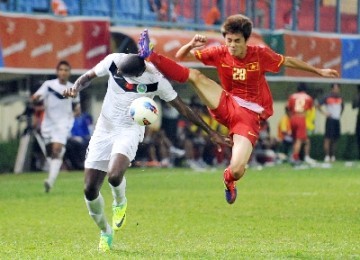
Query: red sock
(169,68)
(228,176)
(296,156)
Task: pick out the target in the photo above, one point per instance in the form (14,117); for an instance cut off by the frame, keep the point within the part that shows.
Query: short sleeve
(102,68)
(42,91)
(270,60)
(166,92)
(209,56)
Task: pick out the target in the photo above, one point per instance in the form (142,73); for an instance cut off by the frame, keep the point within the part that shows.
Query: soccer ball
(144,111)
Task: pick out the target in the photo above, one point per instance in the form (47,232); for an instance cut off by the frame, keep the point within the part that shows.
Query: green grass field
(177,213)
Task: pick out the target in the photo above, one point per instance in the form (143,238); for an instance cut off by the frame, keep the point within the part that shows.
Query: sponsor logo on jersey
(141,88)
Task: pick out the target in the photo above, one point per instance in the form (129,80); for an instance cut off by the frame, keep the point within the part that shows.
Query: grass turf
(177,213)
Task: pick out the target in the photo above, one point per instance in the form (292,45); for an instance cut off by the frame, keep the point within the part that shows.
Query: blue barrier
(350,61)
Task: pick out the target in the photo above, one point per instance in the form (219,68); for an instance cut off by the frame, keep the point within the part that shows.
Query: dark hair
(63,62)
(301,87)
(132,65)
(237,23)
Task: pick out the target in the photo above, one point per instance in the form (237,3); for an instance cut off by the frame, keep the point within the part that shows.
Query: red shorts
(237,119)
(298,127)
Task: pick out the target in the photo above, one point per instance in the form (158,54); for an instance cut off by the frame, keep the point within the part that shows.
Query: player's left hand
(328,73)
(220,140)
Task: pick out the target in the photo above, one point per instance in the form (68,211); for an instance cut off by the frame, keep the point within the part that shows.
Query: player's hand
(70,92)
(198,41)
(220,140)
(328,73)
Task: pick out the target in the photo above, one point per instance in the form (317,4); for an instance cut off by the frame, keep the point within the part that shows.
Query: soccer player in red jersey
(298,104)
(244,97)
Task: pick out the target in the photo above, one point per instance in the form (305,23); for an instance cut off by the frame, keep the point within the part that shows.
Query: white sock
(119,193)
(96,211)
(54,169)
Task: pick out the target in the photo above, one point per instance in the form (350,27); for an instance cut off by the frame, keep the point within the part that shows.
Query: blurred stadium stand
(333,15)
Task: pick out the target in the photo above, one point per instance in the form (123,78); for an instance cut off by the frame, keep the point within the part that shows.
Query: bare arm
(197,41)
(295,63)
(82,82)
(197,120)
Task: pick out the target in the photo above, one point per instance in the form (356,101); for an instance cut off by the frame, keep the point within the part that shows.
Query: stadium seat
(96,7)
(3,6)
(41,6)
(73,7)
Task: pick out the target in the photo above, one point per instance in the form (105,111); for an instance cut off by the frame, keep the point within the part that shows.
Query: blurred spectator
(298,104)
(288,16)
(157,150)
(334,107)
(164,9)
(59,7)
(213,17)
(264,150)
(79,140)
(284,133)
(256,12)
(356,104)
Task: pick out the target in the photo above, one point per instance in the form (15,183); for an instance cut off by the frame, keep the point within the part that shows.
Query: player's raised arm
(82,82)
(186,111)
(198,41)
(295,63)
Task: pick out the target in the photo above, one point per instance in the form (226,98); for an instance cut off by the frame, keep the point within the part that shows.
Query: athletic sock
(228,177)
(118,193)
(169,68)
(96,211)
(296,156)
(54,169)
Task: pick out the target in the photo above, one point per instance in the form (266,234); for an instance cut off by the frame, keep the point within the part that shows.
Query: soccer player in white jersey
(58,119)
(116,137)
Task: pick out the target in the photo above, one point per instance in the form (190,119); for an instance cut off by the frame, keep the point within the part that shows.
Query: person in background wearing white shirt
(58,119)
(115,140)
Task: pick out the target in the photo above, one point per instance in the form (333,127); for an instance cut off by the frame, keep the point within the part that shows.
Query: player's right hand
(70,92)
(198,41)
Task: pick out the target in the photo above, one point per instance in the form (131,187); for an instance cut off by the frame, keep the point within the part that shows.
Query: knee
(91,191)
(57,152)
(115,177)
(195,75)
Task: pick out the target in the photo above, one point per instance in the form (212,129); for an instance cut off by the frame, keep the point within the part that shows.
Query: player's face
(63,73)
(236,44)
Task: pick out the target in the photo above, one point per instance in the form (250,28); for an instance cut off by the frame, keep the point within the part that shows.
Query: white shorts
(55,133)
(104,143)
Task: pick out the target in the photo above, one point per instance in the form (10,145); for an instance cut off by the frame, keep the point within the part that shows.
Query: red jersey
(299,102)
(245,78)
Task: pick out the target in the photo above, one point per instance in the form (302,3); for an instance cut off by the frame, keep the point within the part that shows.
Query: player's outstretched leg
(145,47)
(169,68)
(230,186)
(119,205)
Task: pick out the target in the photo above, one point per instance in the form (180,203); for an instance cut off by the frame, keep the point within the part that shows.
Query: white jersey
(122,91)
(115,131)
(58,110)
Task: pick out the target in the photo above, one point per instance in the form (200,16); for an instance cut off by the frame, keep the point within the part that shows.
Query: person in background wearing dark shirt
(334,107)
